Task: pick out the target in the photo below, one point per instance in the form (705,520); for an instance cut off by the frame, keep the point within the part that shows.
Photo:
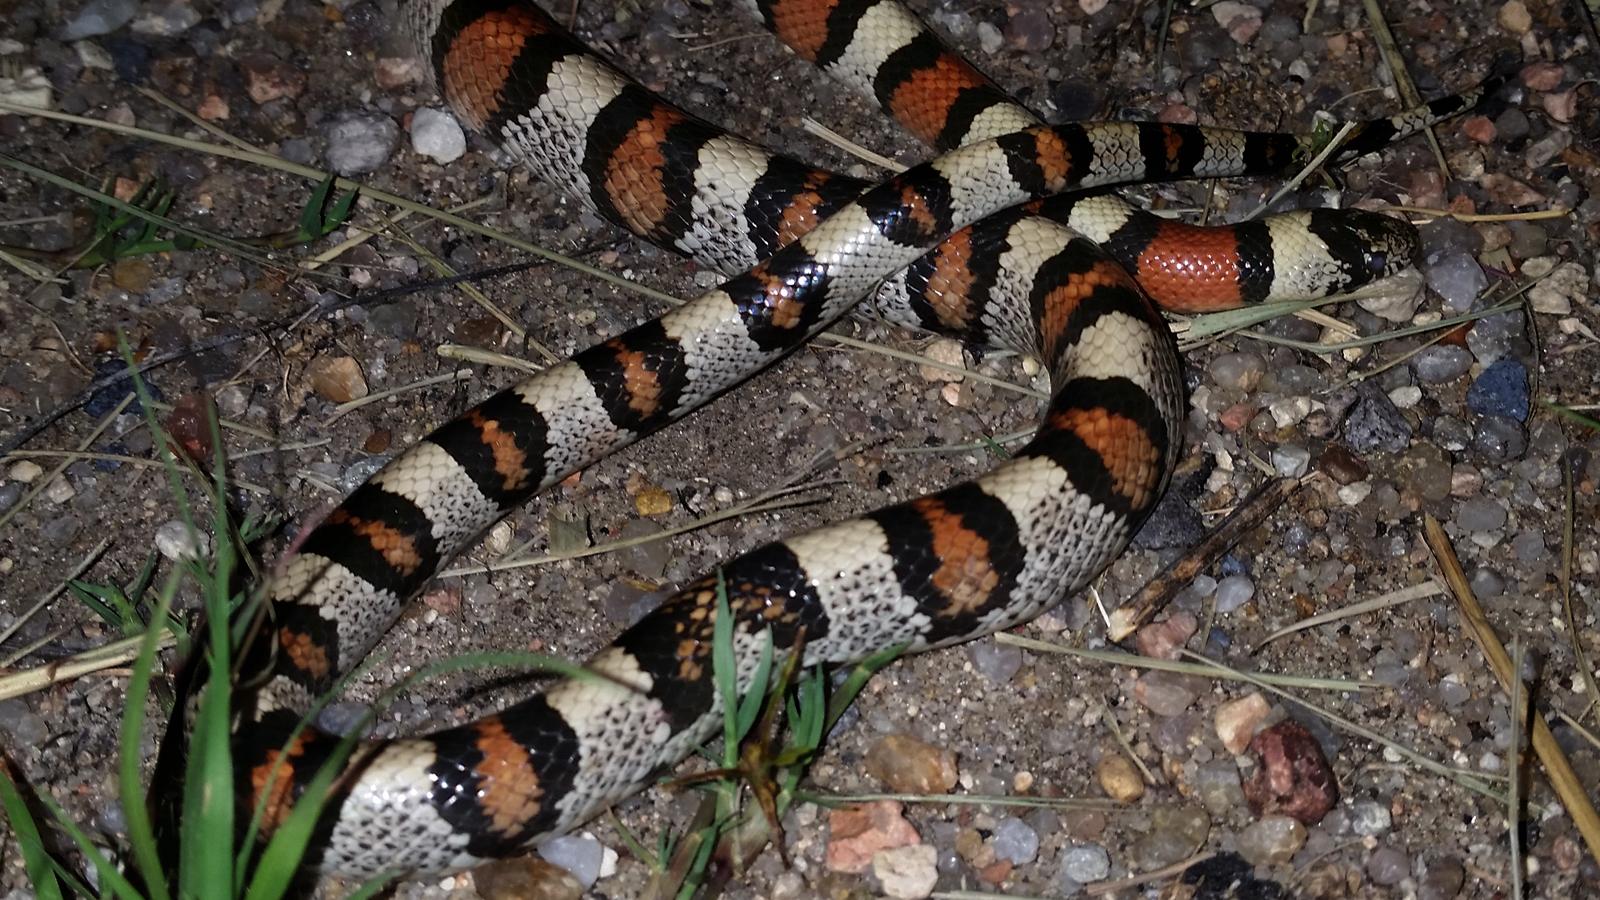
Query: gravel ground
(1402,428)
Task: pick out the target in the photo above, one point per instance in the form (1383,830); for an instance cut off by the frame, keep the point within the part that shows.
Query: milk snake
(807,245)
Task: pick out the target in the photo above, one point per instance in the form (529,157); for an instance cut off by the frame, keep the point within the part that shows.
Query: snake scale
(980,243)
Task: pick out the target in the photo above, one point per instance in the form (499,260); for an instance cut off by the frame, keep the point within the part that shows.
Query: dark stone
(1376,424)
(1501,390)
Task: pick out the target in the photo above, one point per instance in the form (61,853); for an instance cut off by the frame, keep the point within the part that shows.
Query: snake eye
(1377,262)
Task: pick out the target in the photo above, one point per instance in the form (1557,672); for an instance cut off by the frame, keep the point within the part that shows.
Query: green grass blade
(35,858)
(1572,415)
(813,719)
(311,215)
(750,704)
(141,832)
(338,213)
(106,602)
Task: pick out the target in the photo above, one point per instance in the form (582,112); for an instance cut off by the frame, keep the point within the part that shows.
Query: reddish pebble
(1562,106)
(1177,114)
(996,872)
(213,108)
(1479,129)
(268,78)
(1165,639)
(1236,416)
(445,601)
(857,833)
(1542,76)
(189,427)
(1292,776)
(1342,465)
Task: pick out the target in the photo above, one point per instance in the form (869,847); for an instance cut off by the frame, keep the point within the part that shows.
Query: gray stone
(1273,840)
(579,854)
(1015,840)
(995,661)
(1370,818)
(1376,425)
(1085,864)
(1441,363)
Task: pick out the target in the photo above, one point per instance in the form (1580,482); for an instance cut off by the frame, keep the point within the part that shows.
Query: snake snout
(1388,245)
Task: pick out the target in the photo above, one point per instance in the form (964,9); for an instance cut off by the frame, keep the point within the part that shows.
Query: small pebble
(1501,390)
(358,143)
(1176,832)
(907,873)
(1441,363)
(1292,775)
(1499,438)
(1542,75)
(1487,583)
(989,38)
(1241,20)
(1217,785)
(1341,465)
(1442,879)
(1162,694)
(1529,240)
(995,661)
(522,877)
(1291,460)
(436,135)
(858,833)
(1120,778)
(1387,866)
(1497,337)
(1241,370)
(176,542)
(99,17)
(1015,840)
(1452,434)
(1233,592)
(1271,841)
(337,378)
(25,471)
(20,724)
(1556,291)
(580,854)
(951,355)
(1236,720)
(1458,279)
(1375,424)
(907,765)
(343,717)
(1481,513)
(1405,396)
(1085,864)
(1028,27)
(1353,494)
(1370,818)
(1165,639)
(1514,17)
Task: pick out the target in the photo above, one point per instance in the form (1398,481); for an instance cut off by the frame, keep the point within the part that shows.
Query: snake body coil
(806,245)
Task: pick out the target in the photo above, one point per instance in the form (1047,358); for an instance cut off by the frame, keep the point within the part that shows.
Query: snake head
(1368,245)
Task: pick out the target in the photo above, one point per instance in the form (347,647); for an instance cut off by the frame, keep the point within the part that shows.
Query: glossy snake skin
(805,246)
